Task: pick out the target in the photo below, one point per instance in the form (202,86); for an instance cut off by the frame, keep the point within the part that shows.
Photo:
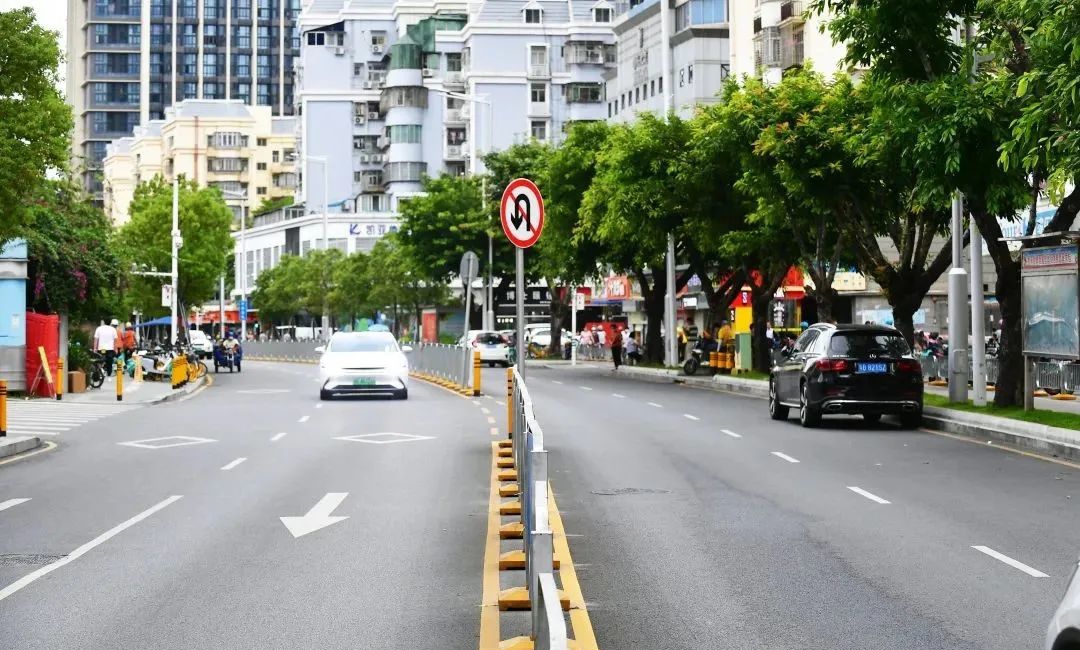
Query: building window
(226,140)
(264,10)
(682,77)
(191,90)
(538,130)
(260,191)
(189,9)
(189,37)
(276,157)
(533,16)
(260,166)
(260,142)
(404,134)
(227,164)
(213,35)
(609,109)
(411,172)
(190,65)
(652,88)
(660,85)
(242,65)
(637,95)
(453,62)
(455,136)
(242,9)
(212,90)
(690,73)
(264,37)
(242,36)
(263,66)
(641,36)
(601,15)
(210,65)
(682,17)
(316,38)
(242,92)
(411,96)
(538,93)
(588,93)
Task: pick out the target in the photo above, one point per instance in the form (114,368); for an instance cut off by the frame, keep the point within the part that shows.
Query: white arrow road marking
(279,436)
(780,454)
(233,464)
(691,417)
(726,432)
(873,497)
(85,548)
(318,517)
(11,503)
(303,419)
(1016,564)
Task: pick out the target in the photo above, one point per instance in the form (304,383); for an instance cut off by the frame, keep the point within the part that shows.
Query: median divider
(550,585)
(453,367)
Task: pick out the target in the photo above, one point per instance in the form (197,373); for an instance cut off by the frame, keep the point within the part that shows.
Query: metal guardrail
(293,351)
(450,363)
(548,627)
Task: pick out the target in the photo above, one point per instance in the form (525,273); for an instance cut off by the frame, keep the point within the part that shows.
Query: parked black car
(848,369)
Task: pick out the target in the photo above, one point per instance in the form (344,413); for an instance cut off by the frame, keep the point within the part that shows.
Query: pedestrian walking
(586,342)
(128,339)
(616,347)
(633,349)
(105,343)
(601,341)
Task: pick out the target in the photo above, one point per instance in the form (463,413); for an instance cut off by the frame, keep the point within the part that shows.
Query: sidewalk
(1054,441)
(142,393)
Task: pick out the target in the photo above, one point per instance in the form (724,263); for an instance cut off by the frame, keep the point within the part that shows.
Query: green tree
(268,205)
(317,282)
(394,281)
(351,295)
(205,223)
(72,266)
(35,122)
(279,292)
(438,226)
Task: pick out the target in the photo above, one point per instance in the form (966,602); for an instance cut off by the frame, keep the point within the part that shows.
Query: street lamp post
(474,166)
(669,272)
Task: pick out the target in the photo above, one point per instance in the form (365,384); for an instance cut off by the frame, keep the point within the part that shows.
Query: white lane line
(279,436)
(873,497)
(233,464)
(11,503)
(691,417)
(584,388)
(1016,564)
(618,395)
(476,401)
(303,419)
(491,420)
(659,406)
(500,403)
(485,411)
(494,431)
(728,432)
(789,459)
(85,548)
(556,381)
(319,405)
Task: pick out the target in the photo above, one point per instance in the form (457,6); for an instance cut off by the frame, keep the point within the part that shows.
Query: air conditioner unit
(363,158)
(357,144)
(376,48)
(427,72)
(373,115)
(367,85)
(359,119)
(376,158)
(339,51)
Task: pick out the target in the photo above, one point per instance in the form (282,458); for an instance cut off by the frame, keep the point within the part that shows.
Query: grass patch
(1049,418)
(753,374)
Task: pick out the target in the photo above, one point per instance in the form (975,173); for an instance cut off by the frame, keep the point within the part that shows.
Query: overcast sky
(50,13)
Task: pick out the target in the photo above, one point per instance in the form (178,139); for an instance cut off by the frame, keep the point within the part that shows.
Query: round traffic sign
(522,212)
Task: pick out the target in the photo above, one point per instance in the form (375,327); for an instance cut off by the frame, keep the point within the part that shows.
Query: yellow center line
(489,603)
(579,615)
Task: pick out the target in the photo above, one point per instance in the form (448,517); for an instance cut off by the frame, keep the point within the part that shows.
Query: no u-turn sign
(522,212)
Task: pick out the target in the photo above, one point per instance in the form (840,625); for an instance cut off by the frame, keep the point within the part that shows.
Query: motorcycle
(699,357)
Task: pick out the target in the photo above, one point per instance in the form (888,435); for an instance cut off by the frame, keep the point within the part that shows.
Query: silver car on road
(1064,632)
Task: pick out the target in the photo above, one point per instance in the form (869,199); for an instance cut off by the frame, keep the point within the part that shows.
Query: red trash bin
(42,331)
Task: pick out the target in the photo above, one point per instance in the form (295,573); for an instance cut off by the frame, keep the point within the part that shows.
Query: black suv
(848,369)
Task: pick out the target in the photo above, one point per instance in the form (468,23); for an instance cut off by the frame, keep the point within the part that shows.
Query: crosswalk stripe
(50,418)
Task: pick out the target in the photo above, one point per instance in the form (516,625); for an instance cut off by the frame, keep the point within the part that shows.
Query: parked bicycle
(97,370)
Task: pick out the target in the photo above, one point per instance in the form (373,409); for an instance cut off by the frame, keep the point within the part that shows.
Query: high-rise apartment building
(130,59)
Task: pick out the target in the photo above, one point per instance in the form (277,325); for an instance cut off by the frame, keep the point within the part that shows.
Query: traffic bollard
(59,379)
(119,380)
(3,408)
(510,402)
(476,373)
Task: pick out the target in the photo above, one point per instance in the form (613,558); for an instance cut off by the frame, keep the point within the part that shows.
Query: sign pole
(466,283)
(519,254)
(573,325)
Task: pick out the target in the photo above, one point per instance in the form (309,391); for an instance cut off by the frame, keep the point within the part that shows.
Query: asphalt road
(122,546)
(693,526)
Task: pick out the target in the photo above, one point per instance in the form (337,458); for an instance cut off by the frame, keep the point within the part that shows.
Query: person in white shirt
(105,343)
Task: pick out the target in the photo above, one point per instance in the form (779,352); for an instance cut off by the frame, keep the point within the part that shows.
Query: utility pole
(669,276)
(958,286)
(177,242)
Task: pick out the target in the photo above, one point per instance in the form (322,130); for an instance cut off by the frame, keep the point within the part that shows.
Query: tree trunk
(654,314)
(761,359)
(558,309)
(903,313)
(1009,390)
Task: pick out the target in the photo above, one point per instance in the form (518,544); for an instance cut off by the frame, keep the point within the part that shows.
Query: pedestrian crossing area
(52,418)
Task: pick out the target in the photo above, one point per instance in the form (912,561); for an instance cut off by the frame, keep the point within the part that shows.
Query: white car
(493,346)
(355,363)
(1064,631)
(202,344)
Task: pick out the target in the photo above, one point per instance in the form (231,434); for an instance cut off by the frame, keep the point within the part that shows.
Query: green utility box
(743,352)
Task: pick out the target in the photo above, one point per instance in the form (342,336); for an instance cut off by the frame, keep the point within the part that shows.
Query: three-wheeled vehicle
(228,356)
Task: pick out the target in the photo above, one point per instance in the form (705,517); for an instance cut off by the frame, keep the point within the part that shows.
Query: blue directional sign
(243,309)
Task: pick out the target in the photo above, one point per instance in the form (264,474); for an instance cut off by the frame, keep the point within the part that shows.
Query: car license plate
(871,368)
(363,381)
(490,346)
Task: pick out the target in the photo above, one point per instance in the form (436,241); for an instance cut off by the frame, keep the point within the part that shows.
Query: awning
(164,320)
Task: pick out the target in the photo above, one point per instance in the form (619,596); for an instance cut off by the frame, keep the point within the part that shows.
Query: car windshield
(363,343)
(864,344)
(488,338)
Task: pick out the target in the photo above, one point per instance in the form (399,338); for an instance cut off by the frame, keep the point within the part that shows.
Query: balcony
(791,10)
(454,116)
(539,109)
(539,71)
(454,152)
(792,55)
(455,78)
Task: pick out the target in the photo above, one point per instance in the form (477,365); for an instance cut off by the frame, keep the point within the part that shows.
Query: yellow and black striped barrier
(3,408)
(119,380)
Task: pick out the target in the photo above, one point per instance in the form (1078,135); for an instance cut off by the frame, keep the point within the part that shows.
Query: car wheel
(491,364)
(691,367)
(911,420)
(872,418)
(402,394)
(777,411)
(808,415)
(325,394)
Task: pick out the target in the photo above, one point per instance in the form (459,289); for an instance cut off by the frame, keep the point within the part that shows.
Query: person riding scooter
(699,355)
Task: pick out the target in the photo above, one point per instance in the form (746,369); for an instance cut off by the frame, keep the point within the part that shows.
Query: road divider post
(3,408)
(59,378)
(476,373)
(119,380)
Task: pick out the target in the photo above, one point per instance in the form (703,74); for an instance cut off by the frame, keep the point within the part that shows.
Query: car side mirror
(321,349)
(406,348)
